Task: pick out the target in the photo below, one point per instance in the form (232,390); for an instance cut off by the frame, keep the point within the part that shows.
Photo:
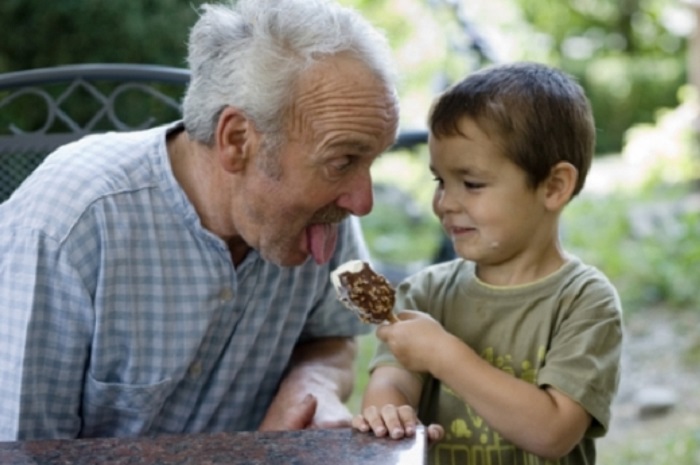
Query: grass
(674,448)
(366,346)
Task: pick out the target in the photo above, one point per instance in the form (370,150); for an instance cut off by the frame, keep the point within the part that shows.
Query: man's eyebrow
(353,146)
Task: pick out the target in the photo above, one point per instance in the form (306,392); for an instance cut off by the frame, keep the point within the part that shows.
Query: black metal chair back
(42,109)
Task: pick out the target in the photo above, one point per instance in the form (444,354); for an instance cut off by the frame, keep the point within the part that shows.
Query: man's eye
(343,163)
(439,181)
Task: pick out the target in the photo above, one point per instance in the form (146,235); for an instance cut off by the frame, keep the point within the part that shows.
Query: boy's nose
(442,202)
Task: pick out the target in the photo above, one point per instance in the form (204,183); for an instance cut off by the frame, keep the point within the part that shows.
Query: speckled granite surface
(310,447)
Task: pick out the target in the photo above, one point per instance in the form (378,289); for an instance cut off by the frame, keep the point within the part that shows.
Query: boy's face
(485,204)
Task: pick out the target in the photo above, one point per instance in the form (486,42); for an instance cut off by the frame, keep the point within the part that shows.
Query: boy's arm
(539,420)
(392,385)
(389,403)
(542,421)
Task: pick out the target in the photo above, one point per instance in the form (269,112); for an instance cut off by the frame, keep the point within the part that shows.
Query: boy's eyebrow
(463,171)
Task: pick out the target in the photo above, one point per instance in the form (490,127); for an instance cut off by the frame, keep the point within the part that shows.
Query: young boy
(511,353)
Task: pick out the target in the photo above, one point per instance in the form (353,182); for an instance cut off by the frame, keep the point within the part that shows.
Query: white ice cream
(353,266)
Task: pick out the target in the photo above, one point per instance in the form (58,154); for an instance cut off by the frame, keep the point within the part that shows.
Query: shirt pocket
(119,409)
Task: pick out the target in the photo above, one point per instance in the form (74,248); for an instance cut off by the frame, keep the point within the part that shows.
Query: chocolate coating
(368,294)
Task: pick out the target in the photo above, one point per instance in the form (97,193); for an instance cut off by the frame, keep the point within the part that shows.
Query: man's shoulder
(80,175)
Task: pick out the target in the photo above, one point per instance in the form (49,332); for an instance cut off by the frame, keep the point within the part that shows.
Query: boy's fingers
(397,422)
(435,433)
(408,419)
(359,423)
(392,421)
(375,421)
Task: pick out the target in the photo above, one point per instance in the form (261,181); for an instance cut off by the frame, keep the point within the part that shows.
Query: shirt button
(226,294)
(195,369)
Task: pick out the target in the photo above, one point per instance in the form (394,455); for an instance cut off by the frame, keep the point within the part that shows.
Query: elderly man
(176,279)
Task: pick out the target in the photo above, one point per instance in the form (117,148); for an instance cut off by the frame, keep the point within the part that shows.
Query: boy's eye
(473,185)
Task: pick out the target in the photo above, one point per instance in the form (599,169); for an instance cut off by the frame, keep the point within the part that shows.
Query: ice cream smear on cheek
(321,240)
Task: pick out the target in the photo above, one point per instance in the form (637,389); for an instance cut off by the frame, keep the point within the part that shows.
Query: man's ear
(559,186)
(235,139)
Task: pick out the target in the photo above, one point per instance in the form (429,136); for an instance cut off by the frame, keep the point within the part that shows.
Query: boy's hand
(396,422)
(391,420)
(412,339)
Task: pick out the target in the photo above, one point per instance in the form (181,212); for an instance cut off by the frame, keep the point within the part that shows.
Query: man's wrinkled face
(342,119)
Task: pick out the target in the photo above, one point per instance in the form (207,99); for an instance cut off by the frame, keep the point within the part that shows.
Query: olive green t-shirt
(563,331)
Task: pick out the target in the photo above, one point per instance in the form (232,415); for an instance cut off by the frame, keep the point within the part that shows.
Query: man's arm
(319,380)
(44,341)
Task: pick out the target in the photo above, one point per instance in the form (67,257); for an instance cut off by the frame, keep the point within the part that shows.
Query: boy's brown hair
(538,115)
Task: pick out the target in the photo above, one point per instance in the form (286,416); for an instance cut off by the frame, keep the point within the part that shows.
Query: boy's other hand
(395,422)
(389,420)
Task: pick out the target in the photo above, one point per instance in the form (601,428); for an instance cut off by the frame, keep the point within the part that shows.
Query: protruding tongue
(321,239)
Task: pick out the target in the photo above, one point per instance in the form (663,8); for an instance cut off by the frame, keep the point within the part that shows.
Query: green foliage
(668,151)
(626,57)
(645,237)
(635,27)
(366,347)
(626,90)
(678,448)
(401,229)
(656,265)
(624,53)
(38,34)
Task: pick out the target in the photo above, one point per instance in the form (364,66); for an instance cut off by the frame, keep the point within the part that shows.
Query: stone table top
(308,447)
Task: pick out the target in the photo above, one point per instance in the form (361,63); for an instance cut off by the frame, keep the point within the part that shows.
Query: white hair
(249,55)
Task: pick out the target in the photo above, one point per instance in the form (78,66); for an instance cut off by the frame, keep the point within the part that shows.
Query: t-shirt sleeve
(584,358)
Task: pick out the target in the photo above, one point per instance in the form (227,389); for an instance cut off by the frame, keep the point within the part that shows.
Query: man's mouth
(322,233)
(321,239)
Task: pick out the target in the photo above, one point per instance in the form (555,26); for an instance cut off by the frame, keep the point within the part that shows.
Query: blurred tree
(629,55)
(36,33)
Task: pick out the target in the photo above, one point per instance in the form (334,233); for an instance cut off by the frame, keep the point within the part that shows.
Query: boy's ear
(559,186)
(236,139)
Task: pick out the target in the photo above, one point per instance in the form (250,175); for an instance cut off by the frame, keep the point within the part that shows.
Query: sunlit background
(638,218)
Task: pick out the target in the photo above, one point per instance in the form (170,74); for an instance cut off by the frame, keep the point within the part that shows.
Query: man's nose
(358,198)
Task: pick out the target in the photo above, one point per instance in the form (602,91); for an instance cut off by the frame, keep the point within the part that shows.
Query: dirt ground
(660,384)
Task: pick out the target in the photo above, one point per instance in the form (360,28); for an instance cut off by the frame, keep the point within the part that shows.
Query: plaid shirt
(121,315)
